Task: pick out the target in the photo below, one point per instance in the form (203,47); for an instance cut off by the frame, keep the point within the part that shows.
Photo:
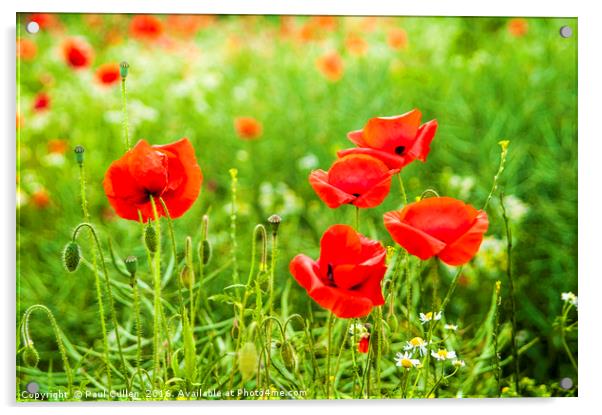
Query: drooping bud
(206,251)
(393,323)
(79,154)
(288,356)
(274,222)
(247,360)
(123,69)
(150,237)
(131,264)
(30,356)
(71,256)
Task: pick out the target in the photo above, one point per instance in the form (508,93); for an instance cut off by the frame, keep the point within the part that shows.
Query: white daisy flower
(416,343)
(458,363)
(359,330)
(405,360)
(443,354)
(425,318)
(452,327)
(569,298)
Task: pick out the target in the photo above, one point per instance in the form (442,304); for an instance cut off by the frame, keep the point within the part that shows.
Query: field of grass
(483,79)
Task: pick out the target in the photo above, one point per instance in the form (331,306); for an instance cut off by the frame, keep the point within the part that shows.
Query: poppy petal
(414,240)
(356,137)
(185,177)
(332,196)
(148,167)
(422,146)
(376,194)
(392,161)
(340,244)
(464,248)
(386,133)
(372,287)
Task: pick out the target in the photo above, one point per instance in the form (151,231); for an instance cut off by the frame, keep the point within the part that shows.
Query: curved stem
(109,291)
(57,334)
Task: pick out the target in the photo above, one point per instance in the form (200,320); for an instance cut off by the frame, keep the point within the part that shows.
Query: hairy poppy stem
(109,292)
(504,145)
(233,217)
(328,382)
(124,66)
(511,288)
(357,219)
(404,197)
(57,335)
(79,155)
(496,357)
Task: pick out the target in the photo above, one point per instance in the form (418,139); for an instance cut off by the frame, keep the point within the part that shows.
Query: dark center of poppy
(330,275)
(399,150)
(355,194)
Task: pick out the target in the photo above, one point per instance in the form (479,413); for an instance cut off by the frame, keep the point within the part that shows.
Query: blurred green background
(483,79)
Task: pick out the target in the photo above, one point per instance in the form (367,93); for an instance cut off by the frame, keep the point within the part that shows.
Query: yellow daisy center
(407,363)
(442,353)
(429,315)
(417,342)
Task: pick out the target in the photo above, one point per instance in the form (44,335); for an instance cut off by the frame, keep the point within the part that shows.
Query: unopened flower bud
(206,251)
(123,69)
(186,277)
(247,360)
(274,222)
(71,256)
(131,264)
(150,238)
(30,356)
(79,154)
(288,356)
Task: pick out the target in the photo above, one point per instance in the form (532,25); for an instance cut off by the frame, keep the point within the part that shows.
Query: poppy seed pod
(150,238)
(131,264)
(186,277)
(247,360)
(274,222)
(30,356)
(71,256)
(79,154)
(123,69)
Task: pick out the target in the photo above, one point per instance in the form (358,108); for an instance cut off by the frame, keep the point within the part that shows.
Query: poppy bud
(247,360)
(79,154)
(206,251)
(274,222)
(288,356)
(186,277)
(131,264)
(393,322)
(71,256)
(30,356)
(364,344)
(123,69)
(150,238)
(235,331)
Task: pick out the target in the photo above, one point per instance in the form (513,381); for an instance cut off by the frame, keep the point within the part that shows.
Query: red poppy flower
(397,141)
(146,27)
(356,45)
(247,127)
(45,20)
(41,198)
(108,73)
(439,226)
(168,171)
(57,146)
(41,102)
(331,66)
(346,278)
(77,53)
(358,179)
(26,49)
(364,344)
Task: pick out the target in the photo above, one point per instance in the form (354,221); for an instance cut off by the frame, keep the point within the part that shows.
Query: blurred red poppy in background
(331,66)
(45,20)
(397,38)
(518,27)
(57,146)
(166,171)
(247,127)
(364,344)
(397,141)
(26,49)
(146,27)
(40,198)
(356,45)
(439,226)
(41,102)
(77,53)
(360,180)
(346,278)
(108,73)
